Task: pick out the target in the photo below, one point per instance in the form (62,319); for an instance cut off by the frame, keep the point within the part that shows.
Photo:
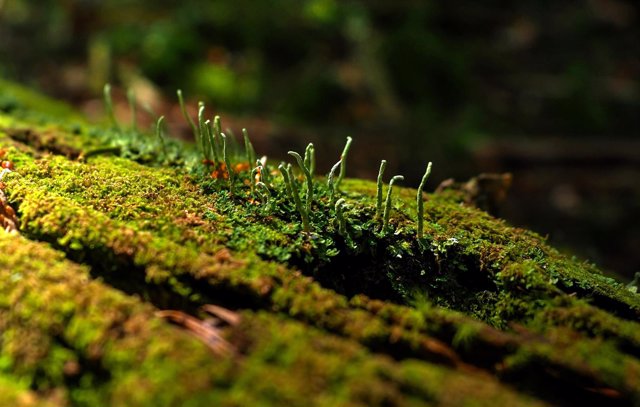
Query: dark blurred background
(546,90)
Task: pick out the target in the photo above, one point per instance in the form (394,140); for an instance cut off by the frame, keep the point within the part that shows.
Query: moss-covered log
(124,243)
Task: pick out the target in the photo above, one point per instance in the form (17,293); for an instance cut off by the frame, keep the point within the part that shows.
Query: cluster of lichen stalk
(213,144)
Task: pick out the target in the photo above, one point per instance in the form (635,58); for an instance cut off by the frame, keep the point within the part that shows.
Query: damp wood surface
(137,277)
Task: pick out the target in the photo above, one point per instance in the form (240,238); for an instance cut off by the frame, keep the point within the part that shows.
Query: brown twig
(208,333)
(228,316)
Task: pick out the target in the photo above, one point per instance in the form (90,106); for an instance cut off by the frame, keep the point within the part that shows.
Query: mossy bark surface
(123,245)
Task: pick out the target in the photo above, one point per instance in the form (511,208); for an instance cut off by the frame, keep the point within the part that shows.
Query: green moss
(68,330)
(608,368)
(492,297)
(60,328)
(21,100)
(17,393)
(351,374)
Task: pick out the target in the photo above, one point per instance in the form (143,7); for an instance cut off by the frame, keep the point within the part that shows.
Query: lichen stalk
(213,153)
(287,181)
(227,161)
(264,192)
(201,138)
(217,135)
(331,182)
(183,108)
(342,222)
(420,202)
(256,176)
(131,97)
(310,159)
(304,215)
(248,147)
(308,177)
(383,165)
(343,165)
(265,175)
(160,137)
(387,205)
(108,106)
(206,139)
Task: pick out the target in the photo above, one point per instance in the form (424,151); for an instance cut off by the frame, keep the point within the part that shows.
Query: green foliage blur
(433,76)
